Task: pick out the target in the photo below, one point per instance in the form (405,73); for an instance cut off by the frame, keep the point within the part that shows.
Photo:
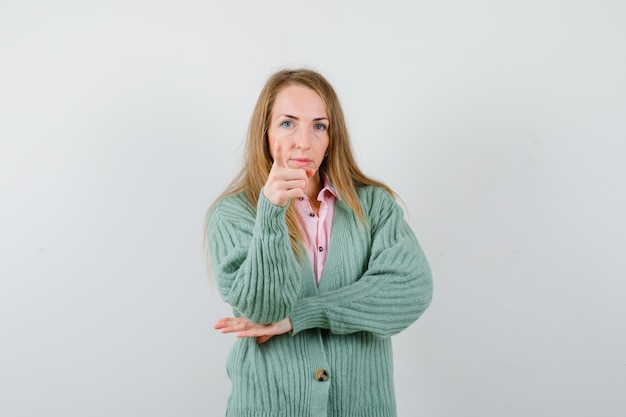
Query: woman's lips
(301,162)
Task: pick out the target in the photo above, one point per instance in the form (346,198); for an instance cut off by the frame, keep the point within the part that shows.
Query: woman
(317,262)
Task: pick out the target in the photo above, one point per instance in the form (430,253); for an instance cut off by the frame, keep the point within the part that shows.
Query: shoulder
(372,191)
(375,199)
(233,207)
(378,206)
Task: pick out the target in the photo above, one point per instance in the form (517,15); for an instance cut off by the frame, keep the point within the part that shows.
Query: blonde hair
(339,164)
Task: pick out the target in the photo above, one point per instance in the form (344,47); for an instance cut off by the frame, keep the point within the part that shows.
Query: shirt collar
(327,187)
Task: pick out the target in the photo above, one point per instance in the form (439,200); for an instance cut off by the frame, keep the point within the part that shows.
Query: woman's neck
(313,187)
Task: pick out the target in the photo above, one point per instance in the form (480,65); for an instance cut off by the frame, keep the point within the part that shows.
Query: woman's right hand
(284,183)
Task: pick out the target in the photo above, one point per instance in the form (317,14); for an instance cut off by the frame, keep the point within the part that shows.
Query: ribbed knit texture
(376,282)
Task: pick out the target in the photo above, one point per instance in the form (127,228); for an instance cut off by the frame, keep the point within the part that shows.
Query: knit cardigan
(337,360)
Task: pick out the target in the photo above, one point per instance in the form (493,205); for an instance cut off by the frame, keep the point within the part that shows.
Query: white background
(501,124)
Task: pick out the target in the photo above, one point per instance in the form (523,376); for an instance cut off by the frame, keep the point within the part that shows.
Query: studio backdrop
(500,124)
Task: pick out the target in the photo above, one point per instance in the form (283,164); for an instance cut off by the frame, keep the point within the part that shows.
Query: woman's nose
(303,141)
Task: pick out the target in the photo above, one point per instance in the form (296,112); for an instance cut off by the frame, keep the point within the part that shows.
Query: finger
(278,156)
(292,193)
(221,323)
(297,184)
(233,324)
(240,332)
(226,322)
(248,333)
(262,339)
(309,172)
(291,174)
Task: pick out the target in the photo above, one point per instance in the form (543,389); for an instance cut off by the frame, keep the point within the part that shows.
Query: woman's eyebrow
(288,116)
(317,119)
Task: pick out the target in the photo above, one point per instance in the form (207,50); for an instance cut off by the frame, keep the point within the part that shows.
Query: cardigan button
(321,375)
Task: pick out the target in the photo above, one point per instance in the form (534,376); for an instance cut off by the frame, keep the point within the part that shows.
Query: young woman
(316,260)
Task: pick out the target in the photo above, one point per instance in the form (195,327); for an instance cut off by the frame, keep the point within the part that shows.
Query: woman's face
(299,124)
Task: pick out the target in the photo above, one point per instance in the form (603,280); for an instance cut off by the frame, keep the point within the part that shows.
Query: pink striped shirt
(317,228)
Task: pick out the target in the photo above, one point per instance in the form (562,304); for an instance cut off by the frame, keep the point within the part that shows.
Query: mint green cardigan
(337,361)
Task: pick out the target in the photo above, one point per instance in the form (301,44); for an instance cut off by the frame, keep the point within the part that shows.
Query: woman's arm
(393,292)
(252,260)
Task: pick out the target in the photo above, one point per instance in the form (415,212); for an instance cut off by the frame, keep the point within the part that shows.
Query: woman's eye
(320,126)
(286,123)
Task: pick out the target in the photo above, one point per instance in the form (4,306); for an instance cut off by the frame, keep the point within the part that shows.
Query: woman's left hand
(245,328)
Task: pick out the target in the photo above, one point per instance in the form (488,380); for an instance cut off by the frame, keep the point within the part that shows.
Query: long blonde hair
(339,164)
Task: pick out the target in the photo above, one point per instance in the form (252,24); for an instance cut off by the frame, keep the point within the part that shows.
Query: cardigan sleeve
(252,260)
(392,293)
